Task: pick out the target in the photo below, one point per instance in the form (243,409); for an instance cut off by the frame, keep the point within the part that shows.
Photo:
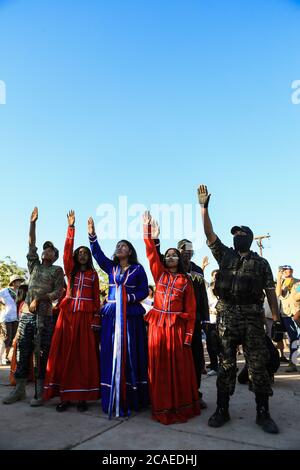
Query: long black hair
(76,268)
(180,267)
(132,258)
(21,296)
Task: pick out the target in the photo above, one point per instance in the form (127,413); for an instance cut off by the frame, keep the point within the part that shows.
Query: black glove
(277,332)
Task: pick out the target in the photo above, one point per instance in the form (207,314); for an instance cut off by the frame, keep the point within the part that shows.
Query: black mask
(242,243)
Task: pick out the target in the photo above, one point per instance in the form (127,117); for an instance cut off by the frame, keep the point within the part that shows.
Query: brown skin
(172,261)
(203,196)
(205,262)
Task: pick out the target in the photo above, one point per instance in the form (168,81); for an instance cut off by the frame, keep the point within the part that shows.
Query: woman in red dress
(73,365)
(172,377)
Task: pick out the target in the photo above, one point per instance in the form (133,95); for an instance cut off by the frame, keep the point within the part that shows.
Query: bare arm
(32,234)
(204,201)
(279,284)
(273,303)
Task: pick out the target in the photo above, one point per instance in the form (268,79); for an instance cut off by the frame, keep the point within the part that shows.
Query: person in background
(211,329)
(148,302)
(9,316)
(285,293)
(22,292)
(297,304)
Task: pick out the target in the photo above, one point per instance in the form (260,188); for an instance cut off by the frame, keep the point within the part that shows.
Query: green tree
(9,267)
(104,283)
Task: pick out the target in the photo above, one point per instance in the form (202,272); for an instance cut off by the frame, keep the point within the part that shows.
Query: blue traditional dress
(123,351)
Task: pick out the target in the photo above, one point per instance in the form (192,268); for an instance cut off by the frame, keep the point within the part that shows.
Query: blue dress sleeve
(141,290)
(105,263)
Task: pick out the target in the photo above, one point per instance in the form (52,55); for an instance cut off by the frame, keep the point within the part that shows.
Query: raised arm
(105,263)
(69,244)
(32,256)
(204,198)
(156,265)
(32,232)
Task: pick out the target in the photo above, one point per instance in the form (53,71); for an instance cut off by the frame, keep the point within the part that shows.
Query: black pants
(26,344)
(211,331)
(198,352)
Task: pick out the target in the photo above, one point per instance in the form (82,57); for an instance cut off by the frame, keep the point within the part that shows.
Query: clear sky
(148,99)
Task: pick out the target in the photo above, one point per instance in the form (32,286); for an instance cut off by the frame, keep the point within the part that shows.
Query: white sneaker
(212,372)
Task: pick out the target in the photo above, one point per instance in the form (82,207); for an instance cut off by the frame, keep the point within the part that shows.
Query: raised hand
(71,218)
(147,218)
(205,262)
(203,196)
(34,215)
(155,229)
(91,226)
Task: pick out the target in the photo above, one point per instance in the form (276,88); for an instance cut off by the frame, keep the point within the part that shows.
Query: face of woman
(83,256)
(171,259)
(122,251)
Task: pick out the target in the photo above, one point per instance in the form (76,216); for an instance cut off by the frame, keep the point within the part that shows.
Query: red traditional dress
(172,377)
(73,370)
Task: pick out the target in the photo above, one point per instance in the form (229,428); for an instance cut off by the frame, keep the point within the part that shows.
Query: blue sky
(149,99)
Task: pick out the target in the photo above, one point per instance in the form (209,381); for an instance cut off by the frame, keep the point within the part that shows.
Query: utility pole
(259,242)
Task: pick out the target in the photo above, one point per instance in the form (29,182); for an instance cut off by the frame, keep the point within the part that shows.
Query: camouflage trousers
(242,325)
(26,344)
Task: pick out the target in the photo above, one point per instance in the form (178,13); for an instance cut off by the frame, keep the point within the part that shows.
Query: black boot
(243,377)
(221,415)
(263,417)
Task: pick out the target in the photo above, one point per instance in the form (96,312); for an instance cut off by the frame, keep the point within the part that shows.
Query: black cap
(243,228)
(183,243)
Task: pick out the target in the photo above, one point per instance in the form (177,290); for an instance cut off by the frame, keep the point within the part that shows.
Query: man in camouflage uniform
(196,275)
(36,323)
(241,283)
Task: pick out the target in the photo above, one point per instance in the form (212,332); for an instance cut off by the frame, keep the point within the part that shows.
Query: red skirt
(172,377)
(73,369)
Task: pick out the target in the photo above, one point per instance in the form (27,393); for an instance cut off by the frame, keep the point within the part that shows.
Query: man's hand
(203,196)
(91,226)
(33,306)
(280,274)
(34,215)
(147,218)
(71,218)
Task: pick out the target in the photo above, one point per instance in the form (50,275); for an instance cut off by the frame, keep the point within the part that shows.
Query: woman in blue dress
(123,352)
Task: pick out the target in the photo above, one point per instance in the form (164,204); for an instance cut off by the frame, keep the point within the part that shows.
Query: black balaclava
(242,243)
